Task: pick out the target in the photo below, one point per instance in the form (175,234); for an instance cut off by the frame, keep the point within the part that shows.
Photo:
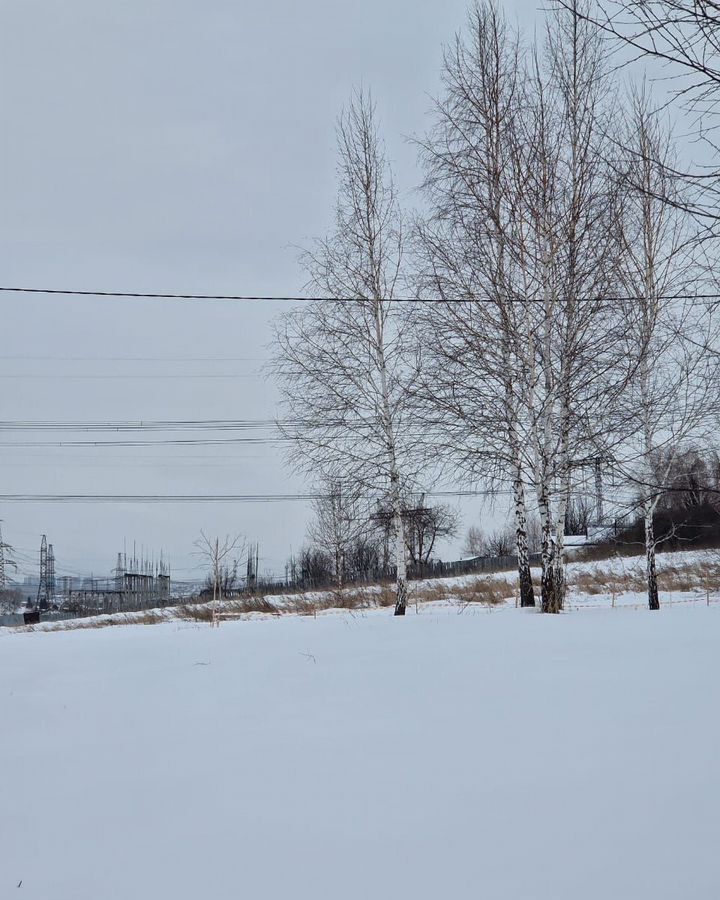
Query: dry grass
(685,578)
(601,582)
(490,591)
(691,577)
(229,609)
(192,612)
(592,553)
(385,596)
(350,599)
(484,590)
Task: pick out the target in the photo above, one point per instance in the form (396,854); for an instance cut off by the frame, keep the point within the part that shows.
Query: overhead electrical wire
(134,359)
(145,424)
(208,425)
(205,498)
(178,442)
(221,425)
(119,376)
(257,298)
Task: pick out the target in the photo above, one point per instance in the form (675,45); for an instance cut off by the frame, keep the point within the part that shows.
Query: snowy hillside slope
(456,753)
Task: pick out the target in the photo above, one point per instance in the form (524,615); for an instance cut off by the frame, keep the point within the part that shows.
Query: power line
(148,424)
(152,465)
(149,295)
(85,377)
(281,431)
(205,498)
(179,442)
(153,359)
(119,425)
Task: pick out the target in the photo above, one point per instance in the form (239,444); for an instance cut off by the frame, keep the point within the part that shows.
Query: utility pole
(3,582)
(599,512)
(253,560)
(51,573)
(42,595)
(5,561)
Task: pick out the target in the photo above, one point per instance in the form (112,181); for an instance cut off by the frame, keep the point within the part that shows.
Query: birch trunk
(527,595)
(649,503)
(559,560)
(400,560)
(395,492)
(549,599)
(559,556)
(653,598)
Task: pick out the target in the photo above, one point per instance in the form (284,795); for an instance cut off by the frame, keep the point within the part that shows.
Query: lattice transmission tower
(51,573)
(3,581)
(6,561)
(43,595)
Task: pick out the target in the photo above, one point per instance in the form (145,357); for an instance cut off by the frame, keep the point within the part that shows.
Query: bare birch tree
(577,335)
(521,238)
(666,403)
(342,363)
(471,374)
(578,362)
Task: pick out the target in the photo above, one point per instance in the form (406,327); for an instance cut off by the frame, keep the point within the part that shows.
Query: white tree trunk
(394,469)
(559,555)
(400,561)
(549,602)
(653,598)
(527,596)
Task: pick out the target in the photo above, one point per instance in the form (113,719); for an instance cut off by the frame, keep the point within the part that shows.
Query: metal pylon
(43,595)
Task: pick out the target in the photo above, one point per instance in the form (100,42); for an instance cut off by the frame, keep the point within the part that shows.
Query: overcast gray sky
(168,145)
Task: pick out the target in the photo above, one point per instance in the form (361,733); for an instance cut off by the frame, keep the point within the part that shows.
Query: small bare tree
(499,542)
(474,541)
(316,567)
(422,526)
(11,599)
(223,557)
(338,524)
(578,514)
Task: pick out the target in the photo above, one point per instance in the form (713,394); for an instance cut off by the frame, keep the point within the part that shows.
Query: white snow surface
(499,754)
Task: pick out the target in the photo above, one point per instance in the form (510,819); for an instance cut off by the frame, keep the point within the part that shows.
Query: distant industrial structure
(137,583)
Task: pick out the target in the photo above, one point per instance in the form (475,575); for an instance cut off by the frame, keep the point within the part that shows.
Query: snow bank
(503,755)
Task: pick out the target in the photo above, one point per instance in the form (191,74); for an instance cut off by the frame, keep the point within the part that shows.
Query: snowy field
(495,754)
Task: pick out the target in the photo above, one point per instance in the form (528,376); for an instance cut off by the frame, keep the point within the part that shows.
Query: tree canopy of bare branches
(520,247)
(343,364)
(223,556)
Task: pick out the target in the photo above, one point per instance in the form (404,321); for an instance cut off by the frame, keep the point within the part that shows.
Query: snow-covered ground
(484,753)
